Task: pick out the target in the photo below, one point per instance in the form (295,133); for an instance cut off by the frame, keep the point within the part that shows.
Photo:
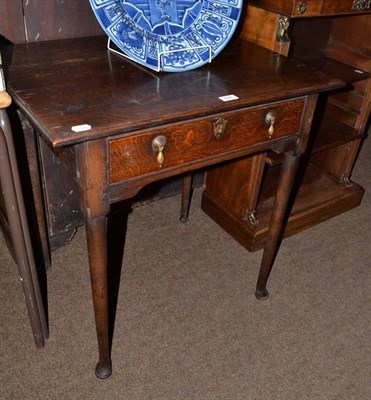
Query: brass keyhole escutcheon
(158,145)
(270,120)
(219,128)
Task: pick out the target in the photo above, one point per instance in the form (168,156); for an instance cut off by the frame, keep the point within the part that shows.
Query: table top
(67,83)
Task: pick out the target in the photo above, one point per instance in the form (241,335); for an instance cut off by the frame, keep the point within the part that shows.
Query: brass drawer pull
(158,145)
(361,5)
(270,120)
(219,128)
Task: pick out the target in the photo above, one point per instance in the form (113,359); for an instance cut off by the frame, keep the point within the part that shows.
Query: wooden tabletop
(67,83)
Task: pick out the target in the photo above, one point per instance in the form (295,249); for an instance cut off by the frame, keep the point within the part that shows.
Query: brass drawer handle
(361,5)
(219,128)
(158,145)
(270,120)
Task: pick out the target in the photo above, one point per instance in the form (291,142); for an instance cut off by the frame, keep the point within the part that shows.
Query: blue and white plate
(169,35)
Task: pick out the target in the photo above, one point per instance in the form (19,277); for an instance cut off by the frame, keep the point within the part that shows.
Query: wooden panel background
(38,20)
(11,20)
(350,41)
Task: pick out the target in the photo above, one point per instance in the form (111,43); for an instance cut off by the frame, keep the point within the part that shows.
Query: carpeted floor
(188,325)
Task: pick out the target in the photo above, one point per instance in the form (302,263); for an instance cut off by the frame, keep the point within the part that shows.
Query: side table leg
(288,172)
(186,199)
(96,230)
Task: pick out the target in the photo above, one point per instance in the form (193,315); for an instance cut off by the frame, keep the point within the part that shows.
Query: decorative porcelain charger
(169,35)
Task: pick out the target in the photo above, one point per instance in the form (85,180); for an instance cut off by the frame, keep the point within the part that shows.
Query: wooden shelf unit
(334,40)
(342,71)
(331,133)
(306,212)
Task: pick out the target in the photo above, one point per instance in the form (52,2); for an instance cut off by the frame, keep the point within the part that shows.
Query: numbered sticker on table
(229,97)
(81,128)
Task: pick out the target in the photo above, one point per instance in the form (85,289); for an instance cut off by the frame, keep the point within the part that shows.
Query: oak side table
(119,127)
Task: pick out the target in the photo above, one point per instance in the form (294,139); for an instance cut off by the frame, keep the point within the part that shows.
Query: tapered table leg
(186,198)
(288,172)
(96,230)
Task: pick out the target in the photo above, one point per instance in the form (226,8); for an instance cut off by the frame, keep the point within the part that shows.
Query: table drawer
(187,142)
(306,8)
(313,8)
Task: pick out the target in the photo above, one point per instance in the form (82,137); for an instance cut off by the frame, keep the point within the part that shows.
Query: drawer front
(311,8)
(195,140)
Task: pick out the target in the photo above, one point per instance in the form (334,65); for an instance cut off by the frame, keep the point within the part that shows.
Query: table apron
(127,189)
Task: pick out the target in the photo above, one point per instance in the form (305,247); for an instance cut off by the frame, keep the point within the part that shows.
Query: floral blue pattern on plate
(169,35)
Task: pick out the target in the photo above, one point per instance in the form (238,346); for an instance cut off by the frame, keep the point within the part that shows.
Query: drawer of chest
(186,142)
(311,8)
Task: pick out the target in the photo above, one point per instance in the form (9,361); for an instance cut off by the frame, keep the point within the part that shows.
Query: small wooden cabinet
(331,36)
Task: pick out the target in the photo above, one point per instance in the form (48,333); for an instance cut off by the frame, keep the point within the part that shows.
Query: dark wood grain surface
(73,82)
(38,20)
(11,20)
